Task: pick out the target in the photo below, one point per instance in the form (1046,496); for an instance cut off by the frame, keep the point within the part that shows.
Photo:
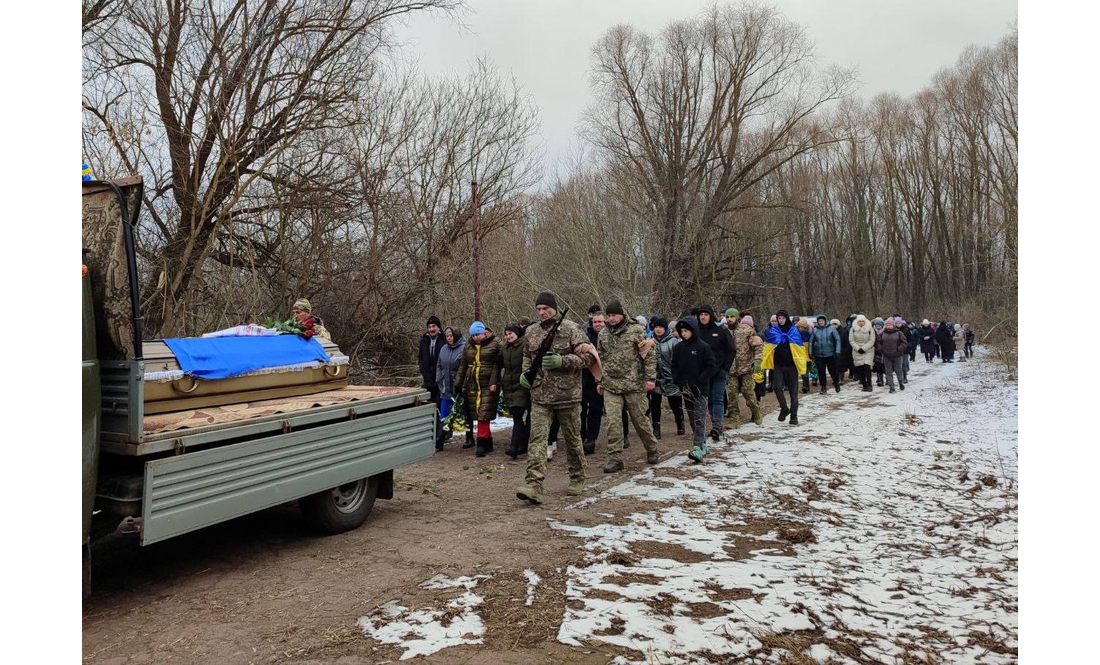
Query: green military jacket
(557,387)
(624,370)
(749,347)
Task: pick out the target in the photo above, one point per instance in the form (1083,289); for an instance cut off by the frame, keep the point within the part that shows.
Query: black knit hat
(657,322)
(614,307)
(517,329)
(548,299)
(434,319)
(595,309)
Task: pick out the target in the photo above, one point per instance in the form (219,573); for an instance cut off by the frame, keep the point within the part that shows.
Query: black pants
(786,378)
(969,348)
(591,410)
(434,397)
(913,352)
(521,428)
(863,373)
(827,363)
(675,402)
(929,355)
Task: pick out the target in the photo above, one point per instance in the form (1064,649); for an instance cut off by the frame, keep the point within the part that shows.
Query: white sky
(896,45)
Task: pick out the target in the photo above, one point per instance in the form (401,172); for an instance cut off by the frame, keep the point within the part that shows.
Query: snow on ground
(533,580)
(422,632)
(882,529)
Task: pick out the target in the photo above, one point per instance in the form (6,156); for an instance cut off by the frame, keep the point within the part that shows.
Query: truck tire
(341,508)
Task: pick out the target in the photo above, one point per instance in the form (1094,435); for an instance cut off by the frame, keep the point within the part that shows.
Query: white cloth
(249,330)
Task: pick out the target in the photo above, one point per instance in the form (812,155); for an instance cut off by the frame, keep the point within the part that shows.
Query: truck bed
(135,433)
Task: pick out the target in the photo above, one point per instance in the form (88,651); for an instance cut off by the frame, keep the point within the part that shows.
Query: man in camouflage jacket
(556,391)
(629,371)
(750,352)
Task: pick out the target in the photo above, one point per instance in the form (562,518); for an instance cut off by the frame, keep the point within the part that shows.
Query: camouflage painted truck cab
(173,472)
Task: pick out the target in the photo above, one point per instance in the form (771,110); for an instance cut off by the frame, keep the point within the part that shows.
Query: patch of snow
(911,552)
(532,581)
(421,632)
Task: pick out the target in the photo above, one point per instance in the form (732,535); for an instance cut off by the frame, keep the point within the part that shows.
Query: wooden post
(477,254)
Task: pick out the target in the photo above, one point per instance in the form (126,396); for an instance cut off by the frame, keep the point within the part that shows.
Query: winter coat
(784,348)
(959,339)
(945,338)
(560,387)
(893,343)
(927,338)
(692,362)
(750,348)
(511,369)
(450,357)
(427,357)
(846,346)
(879,367)
(968,335)
(624,370)
(665,384)
(479,371)
(824,341)
(862,339)
(719,338)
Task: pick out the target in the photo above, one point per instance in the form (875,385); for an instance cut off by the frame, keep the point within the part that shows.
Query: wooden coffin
(166,391)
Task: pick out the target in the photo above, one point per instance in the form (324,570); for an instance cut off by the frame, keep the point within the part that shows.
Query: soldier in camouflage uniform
(556,391)
(750,353)
(629,371)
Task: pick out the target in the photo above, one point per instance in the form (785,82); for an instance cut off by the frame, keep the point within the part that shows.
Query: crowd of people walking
(554,378)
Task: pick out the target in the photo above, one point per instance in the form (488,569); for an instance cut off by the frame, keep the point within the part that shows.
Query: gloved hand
(551,361)
(756,366)
(523,381)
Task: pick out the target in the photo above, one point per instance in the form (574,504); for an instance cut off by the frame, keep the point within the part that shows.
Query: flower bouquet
(291,326)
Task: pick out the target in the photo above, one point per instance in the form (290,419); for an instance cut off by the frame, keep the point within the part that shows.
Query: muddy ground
(264,589)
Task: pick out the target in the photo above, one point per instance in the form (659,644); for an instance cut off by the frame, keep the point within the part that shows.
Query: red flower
(308,333)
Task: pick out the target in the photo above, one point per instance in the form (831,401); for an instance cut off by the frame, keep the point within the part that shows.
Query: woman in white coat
(862,338)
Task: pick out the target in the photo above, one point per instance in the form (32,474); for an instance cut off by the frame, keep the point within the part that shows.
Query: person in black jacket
(693,367)
(720,340)
(946,339)
(426,359)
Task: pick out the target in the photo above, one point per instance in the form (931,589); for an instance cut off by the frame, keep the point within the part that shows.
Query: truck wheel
(341,508)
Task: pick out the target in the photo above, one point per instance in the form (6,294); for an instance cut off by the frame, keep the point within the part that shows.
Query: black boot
(657,430)
(626,442)
(469,440)
(783,413)
(589,446)
(483,447)
(679,428)
(489,444)
(794,418)
(837,386)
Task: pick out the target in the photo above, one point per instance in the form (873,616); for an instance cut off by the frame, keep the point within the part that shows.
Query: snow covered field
(883,529)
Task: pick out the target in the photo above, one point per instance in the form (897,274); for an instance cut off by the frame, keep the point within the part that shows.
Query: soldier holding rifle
(555,353)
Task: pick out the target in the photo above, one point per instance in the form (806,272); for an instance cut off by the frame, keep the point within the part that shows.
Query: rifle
(544,348)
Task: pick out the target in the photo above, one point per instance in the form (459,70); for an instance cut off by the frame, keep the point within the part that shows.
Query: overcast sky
(895,44)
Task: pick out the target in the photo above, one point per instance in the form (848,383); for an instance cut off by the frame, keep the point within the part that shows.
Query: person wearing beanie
(629,372)
(862,339)
(968,340)
(665,386)
(959,341)
(748,355)
(893,344)
(516,397)
(479,381)
(734,315)
(878,367)
(692,366)
(555,392)
(785,354)
(910,329)
(927,336)
(427,357)
(720,340)
(825,350)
